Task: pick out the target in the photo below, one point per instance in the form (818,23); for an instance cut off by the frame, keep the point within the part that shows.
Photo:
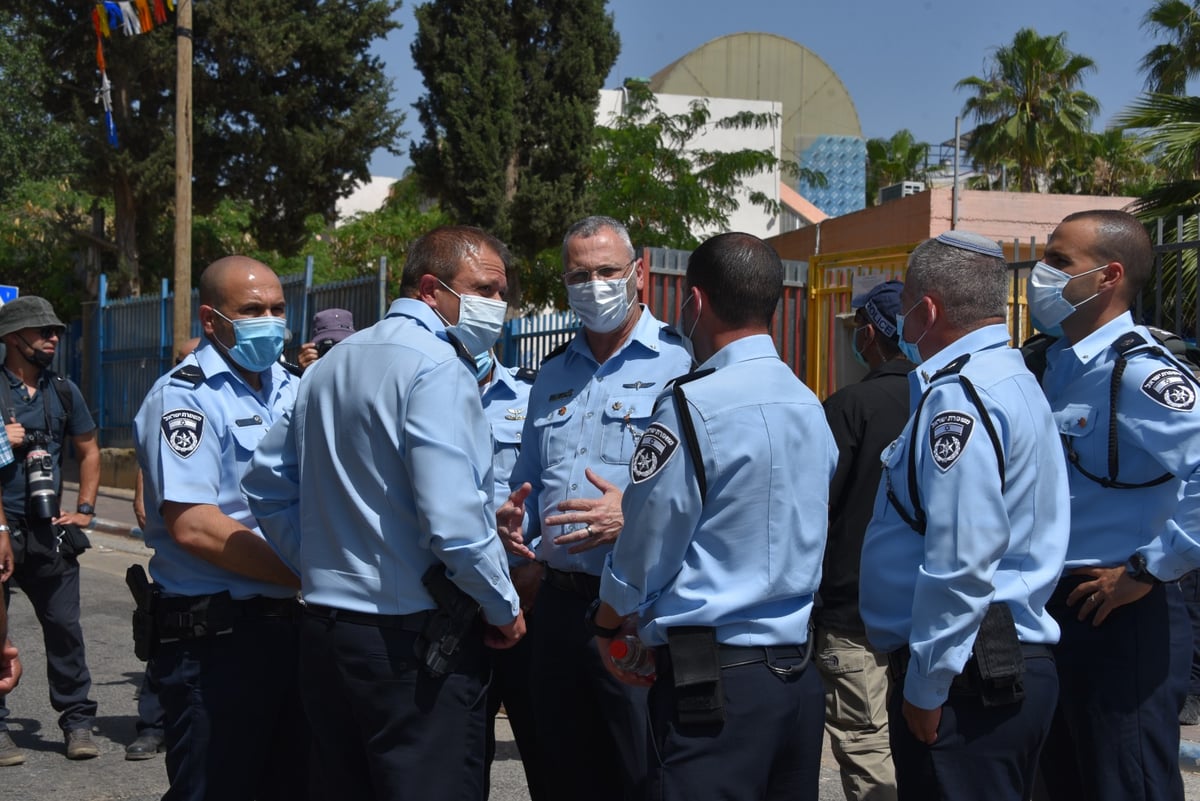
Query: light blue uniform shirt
(383,468)
(583,414)
(194,441)
(1158,431)
(981,545)
(506,406)
(748,559)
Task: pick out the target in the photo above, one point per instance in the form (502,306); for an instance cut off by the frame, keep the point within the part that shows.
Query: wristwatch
(1136,568)
(86,509)
(589,620)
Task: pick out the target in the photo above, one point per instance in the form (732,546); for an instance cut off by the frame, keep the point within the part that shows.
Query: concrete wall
(748,217)
(1003,216)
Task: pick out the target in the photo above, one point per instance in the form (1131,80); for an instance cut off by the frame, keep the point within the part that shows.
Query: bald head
(231,273)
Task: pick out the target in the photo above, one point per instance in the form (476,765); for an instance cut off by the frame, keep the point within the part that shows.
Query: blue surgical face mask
(858,356)
(483,365)
(257,341)
(602,306)
(1047,306)
(910,349)
(480,321)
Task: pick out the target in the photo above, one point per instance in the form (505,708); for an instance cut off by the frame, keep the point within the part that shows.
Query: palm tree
(1029,107)
(1111,162)
(889,161)
(1169,66)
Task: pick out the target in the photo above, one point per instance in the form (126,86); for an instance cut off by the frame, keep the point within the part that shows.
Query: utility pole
(183,175)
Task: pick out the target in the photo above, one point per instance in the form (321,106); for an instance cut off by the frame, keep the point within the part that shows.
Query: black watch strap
(1138,571)
(86,509)
(589,619)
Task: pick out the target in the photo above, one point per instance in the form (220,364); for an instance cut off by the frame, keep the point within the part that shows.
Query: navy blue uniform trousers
(1116,729)
(235,730)
(981,752)
(52,587)
(767,749)
(510,686)
(591,728)
(383,727)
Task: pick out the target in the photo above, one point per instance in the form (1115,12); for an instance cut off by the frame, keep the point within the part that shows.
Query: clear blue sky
(899,59)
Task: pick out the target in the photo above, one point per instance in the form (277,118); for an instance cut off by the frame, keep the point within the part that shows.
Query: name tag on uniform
(248,421)
(561,395)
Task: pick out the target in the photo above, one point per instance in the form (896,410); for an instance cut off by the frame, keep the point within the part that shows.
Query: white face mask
(603,305)
(1047,306)
(480,321)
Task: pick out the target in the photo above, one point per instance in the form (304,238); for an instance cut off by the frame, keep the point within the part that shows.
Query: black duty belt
(898,665)
(585,585)
(188,617)
(736,655)
(412,622)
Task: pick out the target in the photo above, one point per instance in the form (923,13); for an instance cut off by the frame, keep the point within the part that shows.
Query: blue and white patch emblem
(1169,387)
(183,429)
(656,447)
(948,435)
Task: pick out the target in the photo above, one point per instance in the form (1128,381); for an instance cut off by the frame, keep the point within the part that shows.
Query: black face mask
(39,358)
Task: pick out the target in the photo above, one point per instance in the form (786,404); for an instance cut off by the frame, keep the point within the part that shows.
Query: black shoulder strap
(917,520)
(292,367)
(1033,351)
(526,374)
(557,351)
(190,373)
(1125,345)
(689,428)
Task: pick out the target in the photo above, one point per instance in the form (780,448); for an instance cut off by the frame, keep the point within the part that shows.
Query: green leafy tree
(1111,162)
(32,144)
(1029,106)
(1170,127)
(508,117)
(1170,64)
(889,161)
(289,105)
(646,171)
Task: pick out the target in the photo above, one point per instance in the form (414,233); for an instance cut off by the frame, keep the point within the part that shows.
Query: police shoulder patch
(183,429)
(948,435)
(1171,388)
(656,447)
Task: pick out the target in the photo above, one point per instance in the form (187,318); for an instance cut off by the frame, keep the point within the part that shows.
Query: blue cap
(965,240)
(881,304)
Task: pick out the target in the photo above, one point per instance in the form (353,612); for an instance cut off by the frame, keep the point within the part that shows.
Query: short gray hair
(590,226)
(973,286)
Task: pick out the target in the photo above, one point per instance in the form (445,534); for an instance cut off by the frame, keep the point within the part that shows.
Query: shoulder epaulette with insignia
(526,374)
(190,373)
(953,368)
(559,351)
(292,367)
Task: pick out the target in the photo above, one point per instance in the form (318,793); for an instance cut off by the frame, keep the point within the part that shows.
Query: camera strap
(46,380)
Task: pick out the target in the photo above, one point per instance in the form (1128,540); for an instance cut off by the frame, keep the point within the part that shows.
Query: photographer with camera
(41,411)
(329,327)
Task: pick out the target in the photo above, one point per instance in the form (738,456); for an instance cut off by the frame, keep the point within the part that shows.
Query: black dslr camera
(323,347)
(41,499)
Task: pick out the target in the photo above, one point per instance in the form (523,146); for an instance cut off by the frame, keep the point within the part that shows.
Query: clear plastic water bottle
(630,654)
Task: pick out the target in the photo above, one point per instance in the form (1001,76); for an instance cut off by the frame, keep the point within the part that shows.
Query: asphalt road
(48,776)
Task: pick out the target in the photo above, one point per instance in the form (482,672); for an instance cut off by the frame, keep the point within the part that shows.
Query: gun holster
(145,612)
(997,666)
(439,646)
(696,668)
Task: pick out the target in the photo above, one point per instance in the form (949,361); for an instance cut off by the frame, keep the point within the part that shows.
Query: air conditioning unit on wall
(902,189)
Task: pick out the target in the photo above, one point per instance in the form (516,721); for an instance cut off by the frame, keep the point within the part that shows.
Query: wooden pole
(183,175)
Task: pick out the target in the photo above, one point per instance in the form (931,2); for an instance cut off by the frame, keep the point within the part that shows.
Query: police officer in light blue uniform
(1130,425)
(720,558)
(226,659)
(383,471)
(589,406)
(967,540)
(505,404)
